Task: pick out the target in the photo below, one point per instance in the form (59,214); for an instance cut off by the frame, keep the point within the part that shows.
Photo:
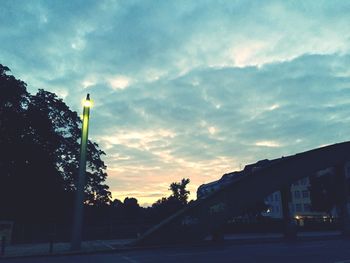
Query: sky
(188,89)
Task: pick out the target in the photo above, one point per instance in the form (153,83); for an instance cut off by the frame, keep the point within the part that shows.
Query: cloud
(187,88)
(119,82)
(268,144)
(266,112)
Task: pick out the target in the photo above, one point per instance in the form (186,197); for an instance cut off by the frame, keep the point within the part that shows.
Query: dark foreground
(307,251)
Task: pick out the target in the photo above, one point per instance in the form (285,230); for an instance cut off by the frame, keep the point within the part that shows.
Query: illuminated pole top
(87,101)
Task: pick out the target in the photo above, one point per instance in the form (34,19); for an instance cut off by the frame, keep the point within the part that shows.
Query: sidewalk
(43,249)
(301,235)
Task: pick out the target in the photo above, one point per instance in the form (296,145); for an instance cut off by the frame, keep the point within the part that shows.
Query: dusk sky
(190,89)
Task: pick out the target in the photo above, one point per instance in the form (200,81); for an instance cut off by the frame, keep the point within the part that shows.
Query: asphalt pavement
(336,251)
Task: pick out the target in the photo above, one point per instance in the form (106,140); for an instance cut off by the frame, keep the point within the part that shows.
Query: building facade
(300,200)
(300,206)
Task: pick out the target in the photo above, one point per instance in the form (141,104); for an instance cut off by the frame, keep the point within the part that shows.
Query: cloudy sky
(189,89)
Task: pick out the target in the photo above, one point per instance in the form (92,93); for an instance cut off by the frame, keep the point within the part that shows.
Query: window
(307,207)
(296,194)
(276,197)
(306,194)
(277,209)
(298,208)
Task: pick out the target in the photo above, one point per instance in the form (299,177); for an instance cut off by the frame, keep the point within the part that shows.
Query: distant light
(297,217)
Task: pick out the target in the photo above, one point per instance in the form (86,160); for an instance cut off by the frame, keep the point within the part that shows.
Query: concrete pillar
(289,225)
(343,178)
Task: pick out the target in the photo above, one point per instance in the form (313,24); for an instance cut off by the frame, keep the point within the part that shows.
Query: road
(307,251)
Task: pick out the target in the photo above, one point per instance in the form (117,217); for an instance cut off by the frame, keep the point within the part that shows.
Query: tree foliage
(166,206)
(179,191)
(39,153)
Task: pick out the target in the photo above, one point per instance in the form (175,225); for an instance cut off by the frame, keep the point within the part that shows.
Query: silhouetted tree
(14,145)
(179,191)
(64,127)
(131,202)
(39,153)
(116,203)
(131,208)
(164,207)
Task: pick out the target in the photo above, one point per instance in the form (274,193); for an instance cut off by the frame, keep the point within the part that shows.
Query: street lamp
(79,199)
